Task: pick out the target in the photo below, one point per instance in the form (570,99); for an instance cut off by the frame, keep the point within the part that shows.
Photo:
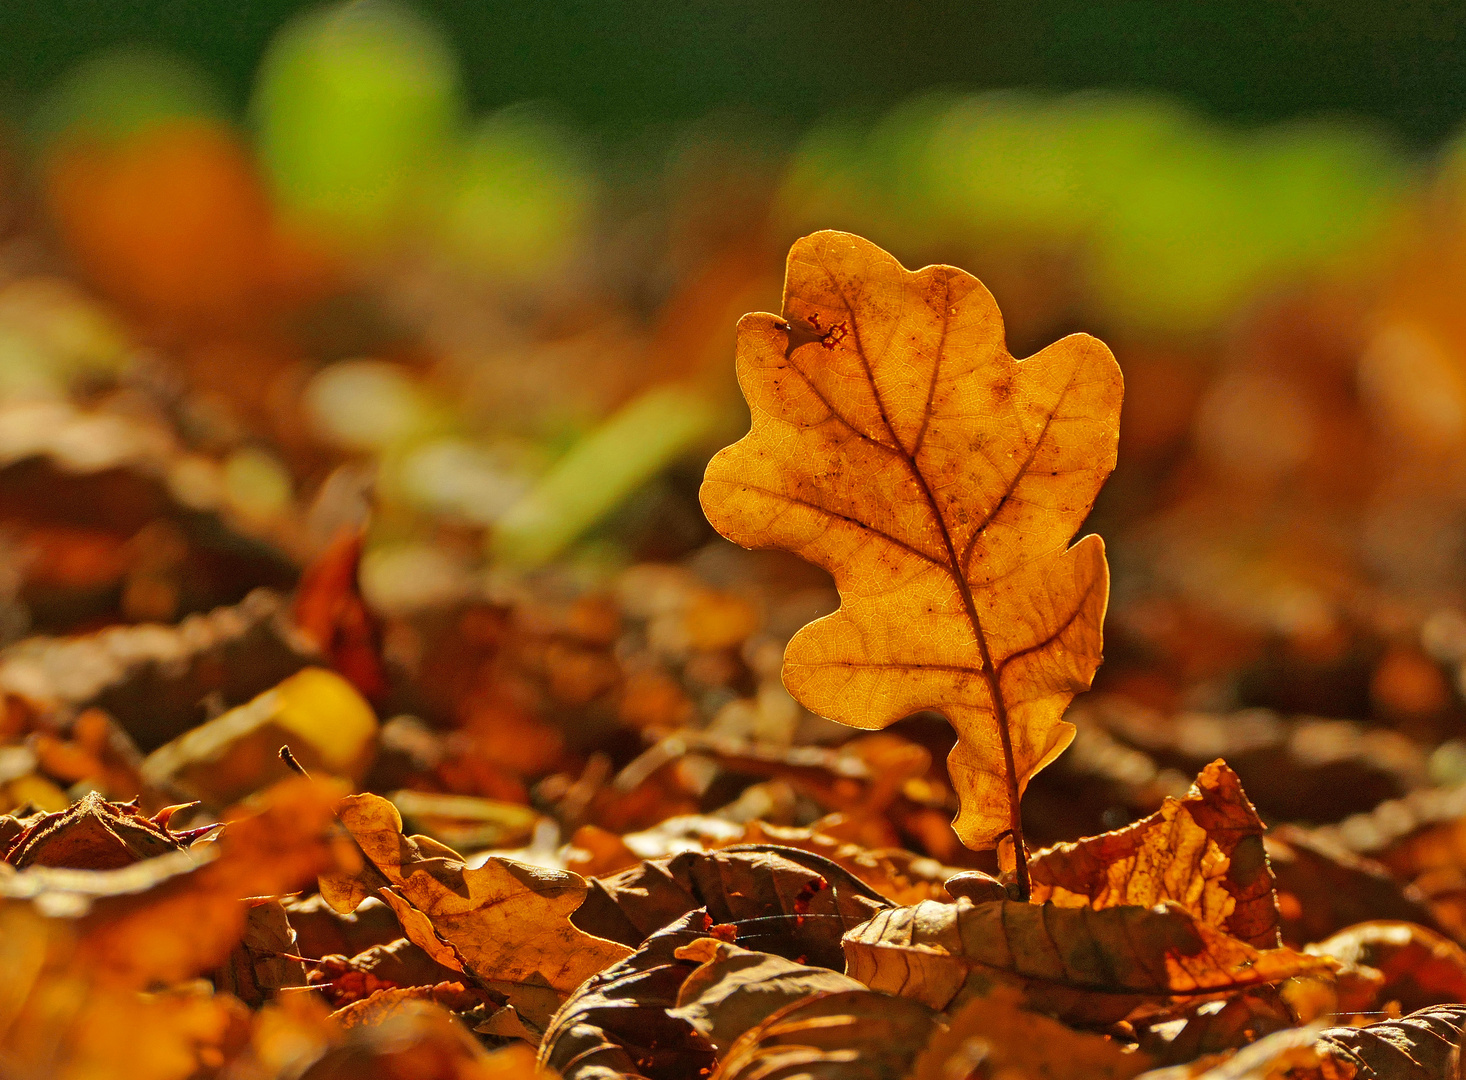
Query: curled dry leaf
(897,444)
(618,1023)
(506,922)
(92,834)
(1082,965)
(779,900)
(1420,967)
(384,1004)
(1422,1046)
(1204,853)
(418,1040)
(852,1035)
(330,614)
(734,988)
(996,1033)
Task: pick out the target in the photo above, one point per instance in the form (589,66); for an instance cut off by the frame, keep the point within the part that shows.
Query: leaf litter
(596,826)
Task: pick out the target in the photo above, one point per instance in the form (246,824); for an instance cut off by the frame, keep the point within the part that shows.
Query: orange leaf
(1203,852)
(897,444)
(1081,965)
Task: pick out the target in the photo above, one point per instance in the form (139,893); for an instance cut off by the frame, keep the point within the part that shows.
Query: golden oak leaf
(1203,852)
(897,444)
(507,922)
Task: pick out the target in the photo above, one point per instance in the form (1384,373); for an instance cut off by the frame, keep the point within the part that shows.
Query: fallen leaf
(1323,887)
(384,1004)
(735,988)
(997,1034)
(265,960)
(898,445)
(154,679)
(134,939)
(618,1023)
(1420,967)
(1204,853)
(852,1035)
(1079,964)
(507,922)
(1422,1046)
(330,613)
(779,900)
(323,719)
(417,1040)
(93,834)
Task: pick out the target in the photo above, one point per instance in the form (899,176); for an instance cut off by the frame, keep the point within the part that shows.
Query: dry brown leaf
(1420,967)
(1323,887)
(1082,965)
(852,1035)
(735,988)
(897,444)
(92,834)
(777,900)
(418,1040)
(618,1023)
(1422,1046)
(507,922)
(384,1004)
(1203,852)
(997,1033)
(265,960)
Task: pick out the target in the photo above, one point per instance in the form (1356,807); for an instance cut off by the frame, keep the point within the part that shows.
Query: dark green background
(617,64)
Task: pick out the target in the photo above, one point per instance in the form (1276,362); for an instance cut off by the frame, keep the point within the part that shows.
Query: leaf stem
(1015,807)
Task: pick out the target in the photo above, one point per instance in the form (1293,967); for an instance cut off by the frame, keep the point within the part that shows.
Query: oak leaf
(1079,964)
(1204,852)
(897,444)
(506,922)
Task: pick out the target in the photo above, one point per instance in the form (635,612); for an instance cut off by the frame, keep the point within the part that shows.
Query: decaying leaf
(897,444)
(507,922)
(778,900)
(1082,965)
(618,1023)
(1422,1046)
(1204,853)
(93,834)
(1420,967)
(852,1035)
(156,679)
(734,988)
(996,1033)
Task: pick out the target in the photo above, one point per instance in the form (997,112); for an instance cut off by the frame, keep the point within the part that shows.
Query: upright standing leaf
(897,444)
